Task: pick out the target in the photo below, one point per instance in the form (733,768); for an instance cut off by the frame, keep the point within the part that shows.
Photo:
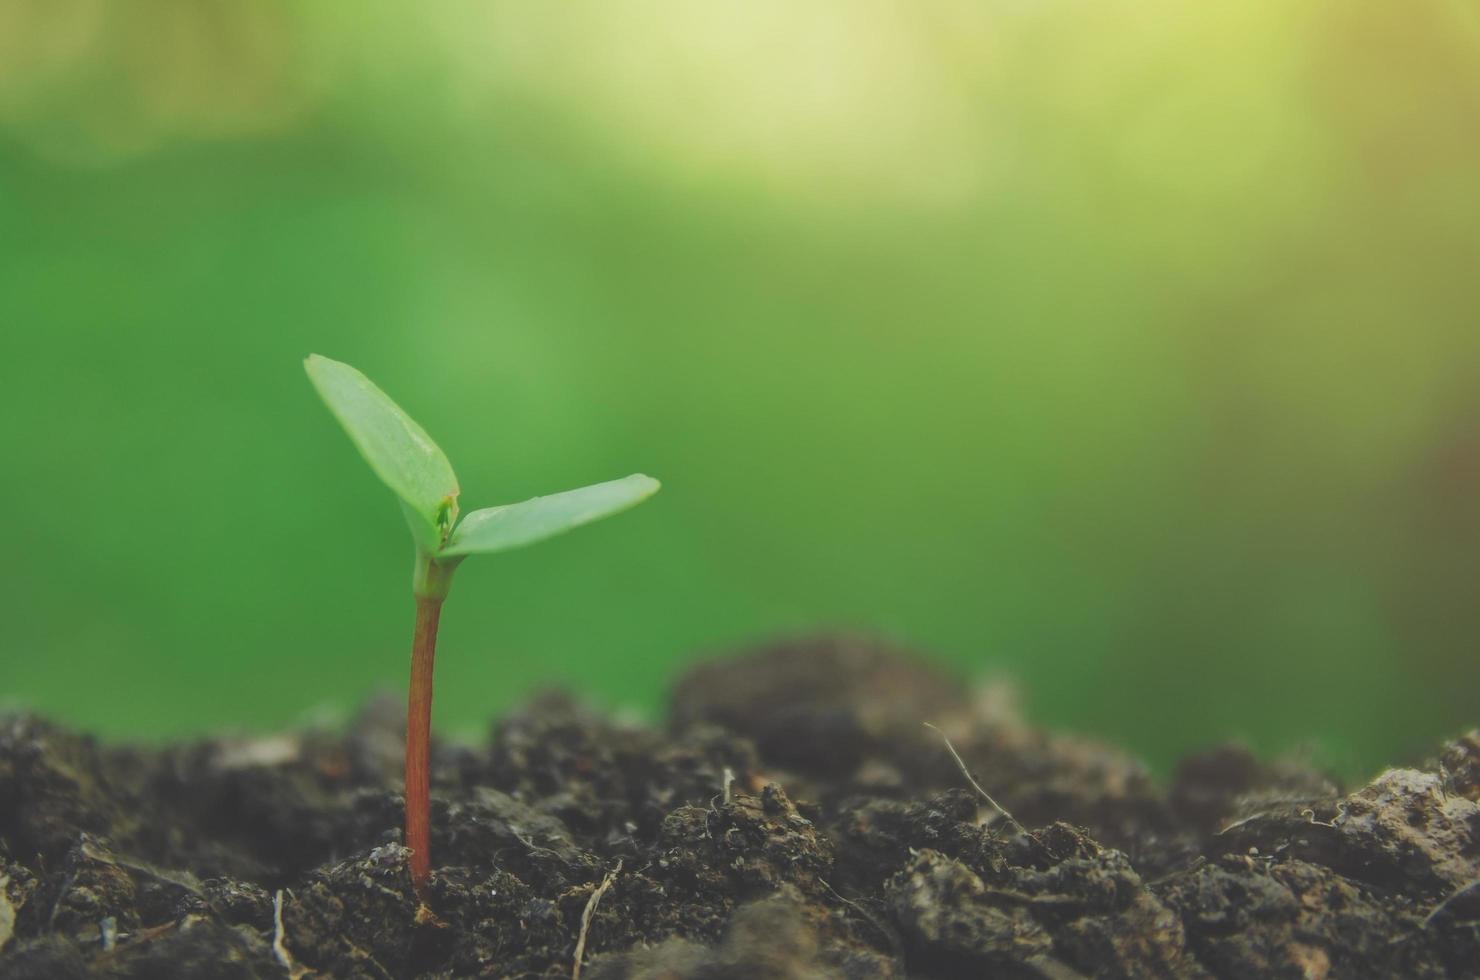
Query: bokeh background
(1128,350)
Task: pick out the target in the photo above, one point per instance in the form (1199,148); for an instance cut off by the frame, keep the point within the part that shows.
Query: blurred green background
(1128,350)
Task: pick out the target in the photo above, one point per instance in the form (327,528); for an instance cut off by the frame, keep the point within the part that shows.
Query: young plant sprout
(406,460)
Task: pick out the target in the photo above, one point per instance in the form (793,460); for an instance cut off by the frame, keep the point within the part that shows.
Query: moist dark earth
(795,819)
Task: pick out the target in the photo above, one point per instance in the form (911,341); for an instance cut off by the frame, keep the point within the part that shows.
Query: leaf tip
(313,363)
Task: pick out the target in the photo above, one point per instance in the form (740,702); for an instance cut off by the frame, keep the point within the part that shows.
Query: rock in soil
(795,820)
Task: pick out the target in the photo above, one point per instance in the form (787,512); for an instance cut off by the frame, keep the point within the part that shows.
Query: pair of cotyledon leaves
(410,463)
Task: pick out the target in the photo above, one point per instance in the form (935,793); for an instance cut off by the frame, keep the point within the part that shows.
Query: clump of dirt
(795,820)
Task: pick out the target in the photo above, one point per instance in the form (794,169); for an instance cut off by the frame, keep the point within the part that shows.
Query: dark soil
(795,820)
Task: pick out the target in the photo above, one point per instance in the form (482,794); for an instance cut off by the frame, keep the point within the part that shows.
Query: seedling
(406,460)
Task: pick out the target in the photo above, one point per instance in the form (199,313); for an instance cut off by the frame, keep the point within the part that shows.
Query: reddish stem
(419,740)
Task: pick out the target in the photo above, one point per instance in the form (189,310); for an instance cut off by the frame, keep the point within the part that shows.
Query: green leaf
(397,449)
(514,525)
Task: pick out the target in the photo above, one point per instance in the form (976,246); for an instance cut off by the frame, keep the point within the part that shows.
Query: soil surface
(795,820)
